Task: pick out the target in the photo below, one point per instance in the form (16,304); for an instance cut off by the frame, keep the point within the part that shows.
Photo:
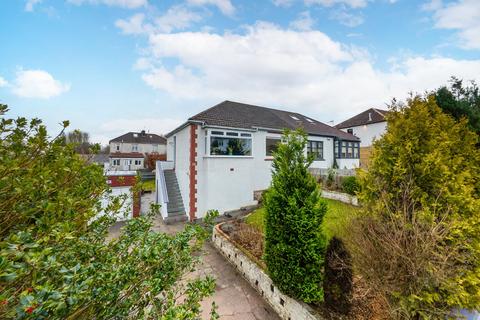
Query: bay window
(347,150)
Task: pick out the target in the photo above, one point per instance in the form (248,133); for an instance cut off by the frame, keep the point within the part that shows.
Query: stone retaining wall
(286,307)
(343,197)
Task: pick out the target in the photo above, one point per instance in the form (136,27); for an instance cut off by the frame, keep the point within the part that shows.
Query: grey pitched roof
(140,137)
(247,116)
(369,116)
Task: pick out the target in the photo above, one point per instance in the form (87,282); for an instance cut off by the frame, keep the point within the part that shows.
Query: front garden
(411,251)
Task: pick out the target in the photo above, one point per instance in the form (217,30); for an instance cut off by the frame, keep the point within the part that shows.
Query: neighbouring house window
(315,148)
(350,131)
(138,162)
(116,162)
(118,147)
(336,149)
(134,147)
(271,145)
(230,143)
(155,148)
(128,162)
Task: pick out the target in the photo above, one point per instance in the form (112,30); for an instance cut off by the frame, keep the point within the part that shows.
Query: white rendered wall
(141,147)
(126,212)
(182,162)
(124,164)
(368,132)
(348,163)
(227,182)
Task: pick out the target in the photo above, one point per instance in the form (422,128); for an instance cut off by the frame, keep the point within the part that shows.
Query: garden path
(235,298)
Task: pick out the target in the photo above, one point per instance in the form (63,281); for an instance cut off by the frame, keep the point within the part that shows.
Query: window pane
(219,133)
(355,152)
(315,148)
(336,149)
(344,149)
(349,150)
(245,135)
(232,134)
(230,146)
(271,146)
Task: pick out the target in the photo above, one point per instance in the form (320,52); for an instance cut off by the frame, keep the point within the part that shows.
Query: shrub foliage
(350,185)
(418,243)
(338,284)
(56,260)
(294,242)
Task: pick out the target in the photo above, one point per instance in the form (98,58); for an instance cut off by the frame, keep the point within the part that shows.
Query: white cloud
(282,3)
(302,70)
(330,3)
(347,19)
(3,82)
(30,4)
(133,25)
(37,84)
(225,6)
(176,18)
(129,4)
(463,16)
(304,22)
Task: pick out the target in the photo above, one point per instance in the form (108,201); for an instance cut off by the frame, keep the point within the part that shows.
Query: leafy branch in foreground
(57,260)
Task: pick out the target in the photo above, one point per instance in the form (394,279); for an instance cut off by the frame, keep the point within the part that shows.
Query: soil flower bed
(247,234)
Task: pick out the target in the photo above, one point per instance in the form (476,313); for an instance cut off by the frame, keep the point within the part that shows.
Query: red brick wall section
(121,181)
(193,171)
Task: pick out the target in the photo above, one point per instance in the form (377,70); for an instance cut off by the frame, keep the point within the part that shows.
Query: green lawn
(148,185)
(334,222)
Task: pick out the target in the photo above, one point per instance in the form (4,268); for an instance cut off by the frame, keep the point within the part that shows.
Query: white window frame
(115,162)
(227,133)
(138,162)
(117,147)
(134,147)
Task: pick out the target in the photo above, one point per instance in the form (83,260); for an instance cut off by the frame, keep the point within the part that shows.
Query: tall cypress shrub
(294,242)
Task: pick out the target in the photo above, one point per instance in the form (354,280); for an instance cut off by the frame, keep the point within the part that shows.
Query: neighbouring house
(368,126)
(128,151)
(221,157)
(101,159)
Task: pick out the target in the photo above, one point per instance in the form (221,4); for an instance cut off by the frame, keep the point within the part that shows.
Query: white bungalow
(222,156)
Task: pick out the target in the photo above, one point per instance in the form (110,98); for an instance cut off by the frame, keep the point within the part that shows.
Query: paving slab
(234,297)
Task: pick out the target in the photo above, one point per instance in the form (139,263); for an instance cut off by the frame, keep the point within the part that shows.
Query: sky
(113,66)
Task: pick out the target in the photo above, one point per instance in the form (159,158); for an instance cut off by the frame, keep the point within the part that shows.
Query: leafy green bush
(56,259)
(350,185)
(417,243)
(295,243)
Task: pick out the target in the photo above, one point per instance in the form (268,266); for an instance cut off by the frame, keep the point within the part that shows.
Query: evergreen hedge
(295,245)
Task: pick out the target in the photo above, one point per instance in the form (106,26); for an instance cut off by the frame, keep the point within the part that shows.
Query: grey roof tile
(241,115)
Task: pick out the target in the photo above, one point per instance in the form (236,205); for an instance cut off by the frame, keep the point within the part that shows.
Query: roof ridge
(378,111)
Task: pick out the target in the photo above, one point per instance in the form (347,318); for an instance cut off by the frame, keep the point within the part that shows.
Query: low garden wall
(340,196)
(286,307)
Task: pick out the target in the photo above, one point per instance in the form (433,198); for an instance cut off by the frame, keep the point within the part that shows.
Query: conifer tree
(295,245)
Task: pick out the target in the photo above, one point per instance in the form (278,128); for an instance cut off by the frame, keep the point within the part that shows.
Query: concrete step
(174,219)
